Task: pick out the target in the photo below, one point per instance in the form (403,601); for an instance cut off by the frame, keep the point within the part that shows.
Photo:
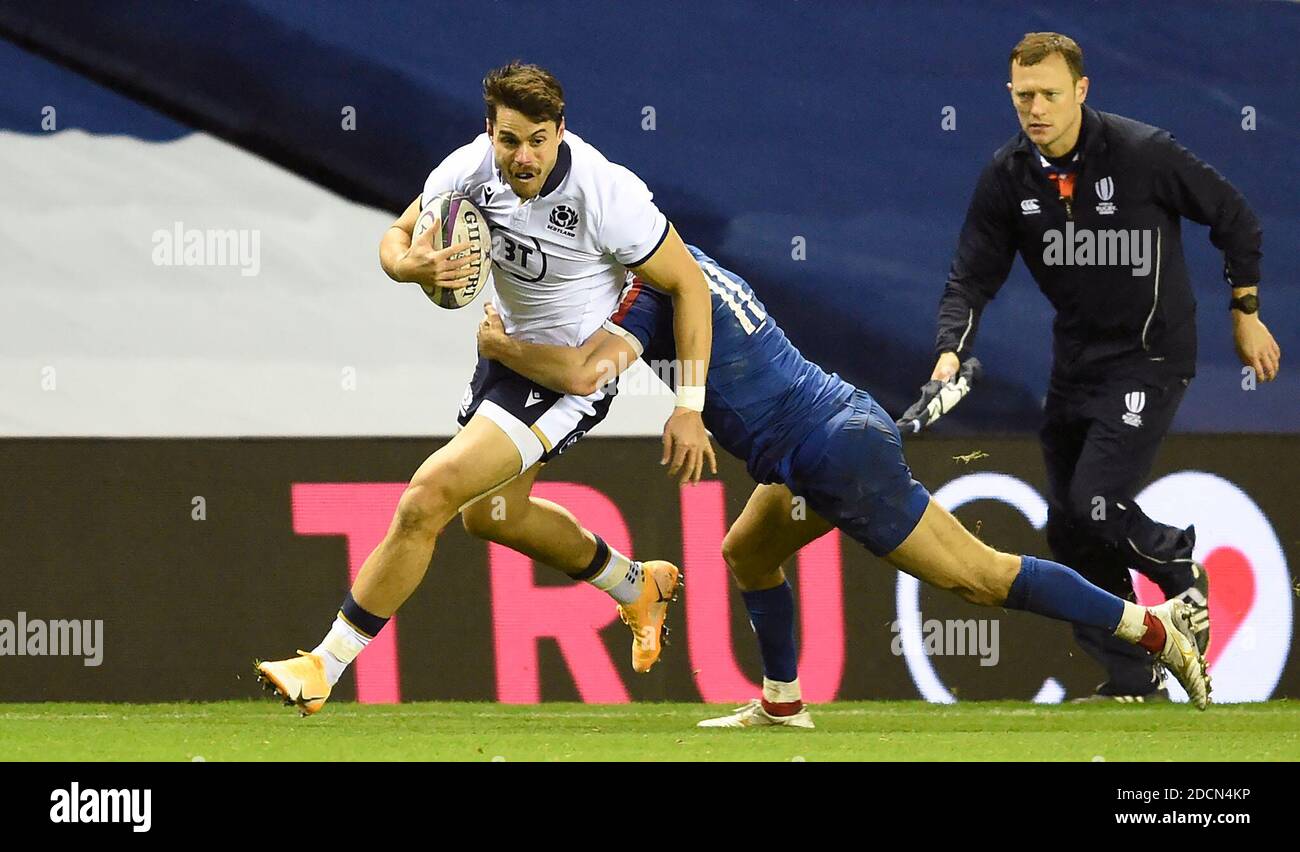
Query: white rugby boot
(1180,655)
(752,715)
(1197,598)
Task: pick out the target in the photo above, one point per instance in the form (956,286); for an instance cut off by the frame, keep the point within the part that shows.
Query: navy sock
(771,612)
(1048,588)
(361,620)
(597,562)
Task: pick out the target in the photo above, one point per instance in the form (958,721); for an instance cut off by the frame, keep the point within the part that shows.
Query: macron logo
(533,398)
(126,806)
(1029,206)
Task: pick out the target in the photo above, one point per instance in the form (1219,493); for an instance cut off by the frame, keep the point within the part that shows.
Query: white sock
(779,692)
(339,648)
(621,578)
(1132,624)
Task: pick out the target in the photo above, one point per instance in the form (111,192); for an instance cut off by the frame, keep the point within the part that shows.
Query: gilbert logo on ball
(461,223)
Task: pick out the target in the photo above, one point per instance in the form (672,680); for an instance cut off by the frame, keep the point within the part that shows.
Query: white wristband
(690,396)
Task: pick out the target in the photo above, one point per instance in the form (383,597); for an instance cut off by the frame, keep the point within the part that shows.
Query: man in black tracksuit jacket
(1092,201)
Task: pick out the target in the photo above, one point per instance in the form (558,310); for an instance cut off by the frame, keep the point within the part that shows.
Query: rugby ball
(461,223)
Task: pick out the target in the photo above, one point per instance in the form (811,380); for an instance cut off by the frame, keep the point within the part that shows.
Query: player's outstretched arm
(564,369)
(672,269)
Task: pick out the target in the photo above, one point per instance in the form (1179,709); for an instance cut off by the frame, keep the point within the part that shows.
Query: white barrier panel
(1250,586)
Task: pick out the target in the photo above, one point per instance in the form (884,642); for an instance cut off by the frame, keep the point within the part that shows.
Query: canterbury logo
(1029,205)
(1105,189)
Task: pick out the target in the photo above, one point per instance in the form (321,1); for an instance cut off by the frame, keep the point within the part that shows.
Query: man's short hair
(528,89)
(1035,47)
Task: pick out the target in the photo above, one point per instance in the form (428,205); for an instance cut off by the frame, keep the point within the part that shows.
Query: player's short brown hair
(1035,47)
(529,89)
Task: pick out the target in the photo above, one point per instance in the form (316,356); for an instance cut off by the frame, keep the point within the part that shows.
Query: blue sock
(360,620)
(771,612)
(1048,588)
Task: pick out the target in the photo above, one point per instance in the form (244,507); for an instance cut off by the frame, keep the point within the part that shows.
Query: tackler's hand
(492,335)
(687,446)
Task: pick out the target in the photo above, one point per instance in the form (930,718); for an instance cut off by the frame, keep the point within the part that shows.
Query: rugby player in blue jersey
(803,431)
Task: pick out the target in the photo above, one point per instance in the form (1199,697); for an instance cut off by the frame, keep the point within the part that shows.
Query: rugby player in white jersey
(566,223)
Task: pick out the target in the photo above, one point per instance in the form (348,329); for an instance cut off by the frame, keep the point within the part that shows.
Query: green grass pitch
(895,730)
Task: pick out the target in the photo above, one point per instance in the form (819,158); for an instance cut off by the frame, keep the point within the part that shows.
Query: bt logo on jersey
(520,257)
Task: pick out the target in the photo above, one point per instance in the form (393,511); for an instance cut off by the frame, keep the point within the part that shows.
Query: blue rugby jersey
(763,397)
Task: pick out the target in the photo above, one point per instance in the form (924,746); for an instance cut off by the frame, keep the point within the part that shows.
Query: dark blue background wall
(773,120)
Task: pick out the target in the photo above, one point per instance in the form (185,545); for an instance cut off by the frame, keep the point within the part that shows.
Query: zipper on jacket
(1068,200)
(1064,183)
(1155,299)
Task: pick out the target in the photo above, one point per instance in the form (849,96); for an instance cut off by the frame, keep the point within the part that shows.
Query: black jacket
(1132,177)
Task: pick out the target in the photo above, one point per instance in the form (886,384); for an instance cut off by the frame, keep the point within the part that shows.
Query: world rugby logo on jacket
(1105,191)
(1134,401)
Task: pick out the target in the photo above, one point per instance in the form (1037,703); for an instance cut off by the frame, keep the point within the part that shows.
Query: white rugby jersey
(558,259)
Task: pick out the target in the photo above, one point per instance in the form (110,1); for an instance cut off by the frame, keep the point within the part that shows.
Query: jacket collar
(1094,136)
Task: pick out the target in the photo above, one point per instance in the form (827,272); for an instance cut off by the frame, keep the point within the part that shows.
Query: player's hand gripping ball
(458,222)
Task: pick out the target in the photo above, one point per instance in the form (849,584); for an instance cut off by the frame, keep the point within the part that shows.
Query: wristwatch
(1247,304)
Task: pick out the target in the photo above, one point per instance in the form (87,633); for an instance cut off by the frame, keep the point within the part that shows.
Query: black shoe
(1156,697)
(1151,697)
(1197,597)
(1153,694)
